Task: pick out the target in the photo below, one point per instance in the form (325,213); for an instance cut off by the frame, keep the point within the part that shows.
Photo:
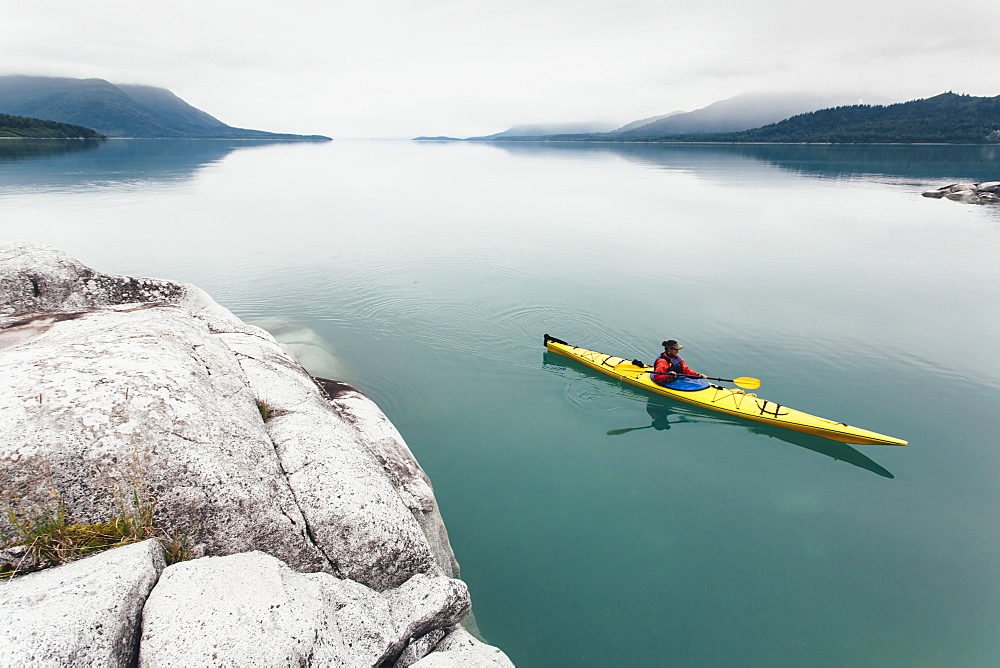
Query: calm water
(432,270)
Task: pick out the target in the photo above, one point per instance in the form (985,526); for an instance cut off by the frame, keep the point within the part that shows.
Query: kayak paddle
(742,381)
(618,432)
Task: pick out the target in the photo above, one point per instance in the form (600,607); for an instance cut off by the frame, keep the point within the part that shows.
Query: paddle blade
(618,432)
(631,368)
(747,383)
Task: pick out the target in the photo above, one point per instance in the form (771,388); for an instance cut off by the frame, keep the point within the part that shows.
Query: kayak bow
(723,399)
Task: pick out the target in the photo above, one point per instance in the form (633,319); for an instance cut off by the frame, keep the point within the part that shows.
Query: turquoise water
(432,270)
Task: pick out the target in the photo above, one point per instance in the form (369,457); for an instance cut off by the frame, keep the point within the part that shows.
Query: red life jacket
(675,364)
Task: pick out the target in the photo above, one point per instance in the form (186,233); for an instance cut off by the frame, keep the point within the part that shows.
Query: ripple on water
(459,308)
(485,318)
(587,394)
(404,394)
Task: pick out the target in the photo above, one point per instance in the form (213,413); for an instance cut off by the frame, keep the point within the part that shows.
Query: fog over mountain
(947,118)
(116,110)
(743,112)
(165,102)
(646,121)
(541,130)
(400,68)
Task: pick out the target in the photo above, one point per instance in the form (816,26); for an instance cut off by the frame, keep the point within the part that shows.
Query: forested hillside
(948,118)
(21,126)
(743,112)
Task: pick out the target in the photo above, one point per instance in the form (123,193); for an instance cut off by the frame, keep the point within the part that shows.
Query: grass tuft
(50,539)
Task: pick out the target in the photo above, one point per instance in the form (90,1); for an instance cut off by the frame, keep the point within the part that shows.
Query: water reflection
(972,163)
(963,162)
(661,415)
(15,150)
(46,163)
(665,413)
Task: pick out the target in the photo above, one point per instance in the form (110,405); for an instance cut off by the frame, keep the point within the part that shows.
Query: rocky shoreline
(317,535)
(968,193)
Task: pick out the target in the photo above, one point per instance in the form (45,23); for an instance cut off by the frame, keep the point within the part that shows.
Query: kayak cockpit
(683,384)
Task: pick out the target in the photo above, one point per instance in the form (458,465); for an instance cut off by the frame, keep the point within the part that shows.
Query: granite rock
(968,193)
(85,613)
(110,384)
(250,609)
(458,649)
(322,525)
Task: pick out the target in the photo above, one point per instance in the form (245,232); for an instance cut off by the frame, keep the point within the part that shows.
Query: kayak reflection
(663,414)
(661,418)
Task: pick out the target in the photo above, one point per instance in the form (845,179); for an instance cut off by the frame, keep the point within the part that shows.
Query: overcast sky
(402,68)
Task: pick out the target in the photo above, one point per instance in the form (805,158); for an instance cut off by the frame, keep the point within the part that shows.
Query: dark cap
(672,344)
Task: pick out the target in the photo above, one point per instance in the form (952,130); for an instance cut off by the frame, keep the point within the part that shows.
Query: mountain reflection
(67,162)
(976,163)
(15,150)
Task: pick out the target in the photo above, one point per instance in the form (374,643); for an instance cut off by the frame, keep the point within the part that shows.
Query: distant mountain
(948,118)
(634,125)
(543,130)
(36,128)
(118,110)
(742,112)
(168,105)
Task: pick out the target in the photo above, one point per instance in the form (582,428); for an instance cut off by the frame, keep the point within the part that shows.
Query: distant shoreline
(702,143)
(304,138)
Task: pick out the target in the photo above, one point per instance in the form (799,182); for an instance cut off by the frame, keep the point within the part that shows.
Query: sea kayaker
(669,365)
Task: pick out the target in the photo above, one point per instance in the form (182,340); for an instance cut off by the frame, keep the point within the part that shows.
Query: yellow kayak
(723,399)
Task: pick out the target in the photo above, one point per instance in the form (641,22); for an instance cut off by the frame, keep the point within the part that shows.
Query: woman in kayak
(669,366)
